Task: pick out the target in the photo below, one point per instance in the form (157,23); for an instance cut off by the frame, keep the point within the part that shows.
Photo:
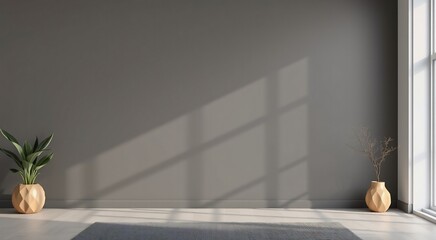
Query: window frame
(432,104)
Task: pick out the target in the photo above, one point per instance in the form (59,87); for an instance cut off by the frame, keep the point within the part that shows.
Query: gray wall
(200,103)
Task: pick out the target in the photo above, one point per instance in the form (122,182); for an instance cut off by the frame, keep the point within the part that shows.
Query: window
(433,104)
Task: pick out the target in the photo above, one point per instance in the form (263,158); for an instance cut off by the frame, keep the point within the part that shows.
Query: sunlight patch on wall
(293,181)
(292,82)
(234,110)
(235,163)
(132,157)
(250,144)
(293,135)
(166,183)
(293,132)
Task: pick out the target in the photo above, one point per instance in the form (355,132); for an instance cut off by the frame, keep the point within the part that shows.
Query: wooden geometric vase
(378,198)
(28,198)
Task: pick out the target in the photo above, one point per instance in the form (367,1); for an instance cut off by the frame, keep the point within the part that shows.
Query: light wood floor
(66,223)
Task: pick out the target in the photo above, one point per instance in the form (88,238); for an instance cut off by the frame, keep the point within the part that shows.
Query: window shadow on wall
(196,104)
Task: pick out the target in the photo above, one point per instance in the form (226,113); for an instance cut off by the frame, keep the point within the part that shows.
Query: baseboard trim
(405,207)
(198,204)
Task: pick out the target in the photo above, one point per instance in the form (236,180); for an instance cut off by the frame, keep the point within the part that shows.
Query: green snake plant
(29,158)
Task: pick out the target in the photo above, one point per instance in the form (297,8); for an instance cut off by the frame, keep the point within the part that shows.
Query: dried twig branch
(376,150)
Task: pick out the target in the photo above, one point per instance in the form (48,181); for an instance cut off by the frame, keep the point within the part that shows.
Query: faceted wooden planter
(28,198)
(378,198)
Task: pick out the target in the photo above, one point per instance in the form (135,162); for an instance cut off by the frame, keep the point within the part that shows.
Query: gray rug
(218,231)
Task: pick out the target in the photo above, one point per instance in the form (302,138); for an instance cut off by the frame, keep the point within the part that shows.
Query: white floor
(66,223)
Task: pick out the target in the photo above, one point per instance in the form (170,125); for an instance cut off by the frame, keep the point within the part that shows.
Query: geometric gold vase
(28,198)
(378,198)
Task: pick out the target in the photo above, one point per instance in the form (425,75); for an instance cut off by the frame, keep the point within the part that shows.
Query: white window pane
(433,185)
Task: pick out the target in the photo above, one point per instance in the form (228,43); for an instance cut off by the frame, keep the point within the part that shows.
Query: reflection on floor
(66,223)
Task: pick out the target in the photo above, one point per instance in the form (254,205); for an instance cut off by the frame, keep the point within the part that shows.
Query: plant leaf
(43,161)
(35,145)
(27,148)
(14,170)
(9,153)
(32,157)
(20,150)
(8,136)
(33,177)
(13,156)
(44,144)
(22,175)
(27,166)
